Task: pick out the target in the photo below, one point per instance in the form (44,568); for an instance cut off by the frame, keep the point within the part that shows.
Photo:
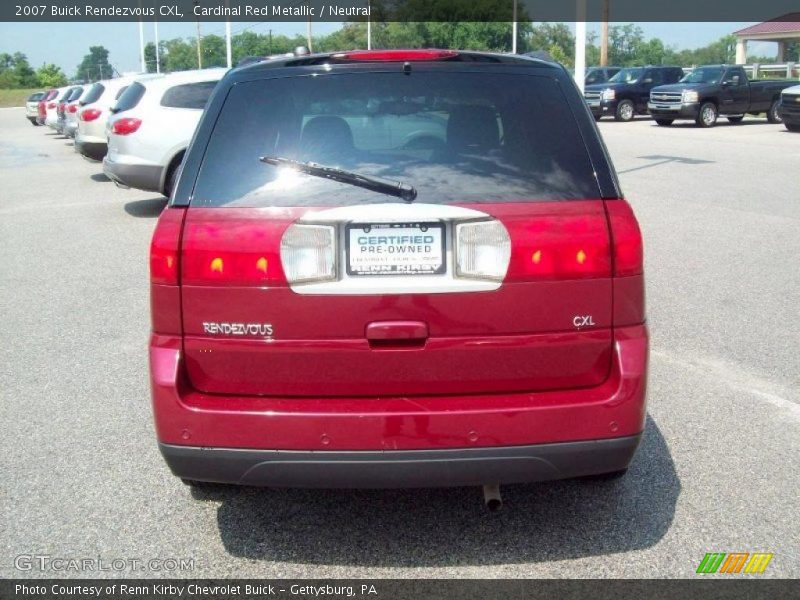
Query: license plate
(395,249)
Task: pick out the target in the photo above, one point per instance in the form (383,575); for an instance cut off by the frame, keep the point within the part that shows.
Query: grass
(15,97)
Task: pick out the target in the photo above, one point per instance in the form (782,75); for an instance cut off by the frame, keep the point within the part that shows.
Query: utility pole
(580,43)
(270,41)
(199,40)
(228,51)
(369,28)
(158,57)
(142,63)
(514,29)
(604,35)
(308,30)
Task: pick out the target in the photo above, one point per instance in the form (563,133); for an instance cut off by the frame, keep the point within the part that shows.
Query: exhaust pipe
(491,497)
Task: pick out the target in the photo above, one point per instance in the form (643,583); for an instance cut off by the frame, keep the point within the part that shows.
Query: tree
(150,56)
(180,55)
(23,71)
(94,65)
(556,38)
(50,76)
(213,49)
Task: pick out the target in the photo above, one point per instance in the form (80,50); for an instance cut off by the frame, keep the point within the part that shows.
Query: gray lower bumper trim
(400,468)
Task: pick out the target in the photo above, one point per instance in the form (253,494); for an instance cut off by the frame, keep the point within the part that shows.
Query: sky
(65,44)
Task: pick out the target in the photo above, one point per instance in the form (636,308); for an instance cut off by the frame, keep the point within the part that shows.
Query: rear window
(74,94)
(35,97)
(120,92)
(130,97)
(94,93)
(455,137)
(188,95)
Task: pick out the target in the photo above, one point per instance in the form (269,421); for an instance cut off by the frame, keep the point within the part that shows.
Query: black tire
(735,120)
(664,122)
(707,115)
(772,113)
(34,122)
(172,178)
(792,127)
(625,111)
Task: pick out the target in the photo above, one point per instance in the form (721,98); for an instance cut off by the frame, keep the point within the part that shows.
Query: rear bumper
(488,438)
(93,150)
(70,129)
(404,468)
(139,176)
(675,111)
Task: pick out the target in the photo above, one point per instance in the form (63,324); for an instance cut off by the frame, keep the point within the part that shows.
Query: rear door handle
(388,331)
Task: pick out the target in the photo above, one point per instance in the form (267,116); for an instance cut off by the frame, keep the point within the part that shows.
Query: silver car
(91,116)
(32,107)
(153,124)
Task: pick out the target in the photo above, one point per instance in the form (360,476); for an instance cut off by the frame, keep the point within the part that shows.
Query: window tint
(455,137)
(94,93)
(35,97)
(188,95)
(74,94)
(654,75)
(130,97)
(120,92)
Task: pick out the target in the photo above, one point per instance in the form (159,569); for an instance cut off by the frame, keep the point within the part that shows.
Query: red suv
(397,269)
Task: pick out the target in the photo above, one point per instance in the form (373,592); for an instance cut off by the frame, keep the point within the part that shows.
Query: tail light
(483,250)
(89,114)
(308,253)
(626,238)
(73,108)
(126,126)
(234,252)
(61,106)
(165,305)
(51,105)
(567,242)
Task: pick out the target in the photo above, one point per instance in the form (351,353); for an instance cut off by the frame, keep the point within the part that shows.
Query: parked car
(90,138)
(625,94)
(153,123)
(599,74)
(32,107)
(713,90)
(61,109)
(51,108)
(91,92)
(789,108)
(339,303)
(42,105)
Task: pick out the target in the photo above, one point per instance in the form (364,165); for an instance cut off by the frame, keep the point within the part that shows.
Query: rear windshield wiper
(375,184)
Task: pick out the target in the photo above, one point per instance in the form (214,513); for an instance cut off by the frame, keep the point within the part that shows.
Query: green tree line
(627,47)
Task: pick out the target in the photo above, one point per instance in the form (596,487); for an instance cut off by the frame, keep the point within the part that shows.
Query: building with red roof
(781,30)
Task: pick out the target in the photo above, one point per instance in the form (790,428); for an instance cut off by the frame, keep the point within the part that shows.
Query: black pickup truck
(709,91)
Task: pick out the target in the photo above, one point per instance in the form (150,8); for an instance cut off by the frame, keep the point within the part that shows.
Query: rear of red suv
(397,269)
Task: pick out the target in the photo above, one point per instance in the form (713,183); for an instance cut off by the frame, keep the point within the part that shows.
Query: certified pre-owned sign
(395,249)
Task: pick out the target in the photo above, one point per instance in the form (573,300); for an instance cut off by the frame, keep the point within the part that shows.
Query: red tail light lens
(565,240)
(126,126)
(165,247)
(627,239)
(90,114)
(243,252)
(395,55)
(73,108)
(165,302)
(51,105)
(61,106)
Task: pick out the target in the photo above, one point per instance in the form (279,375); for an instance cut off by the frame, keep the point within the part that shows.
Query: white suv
(154,122)
(51,120)
(90,137)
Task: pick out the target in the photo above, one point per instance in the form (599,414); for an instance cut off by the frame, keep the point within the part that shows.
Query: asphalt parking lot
(718,471)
